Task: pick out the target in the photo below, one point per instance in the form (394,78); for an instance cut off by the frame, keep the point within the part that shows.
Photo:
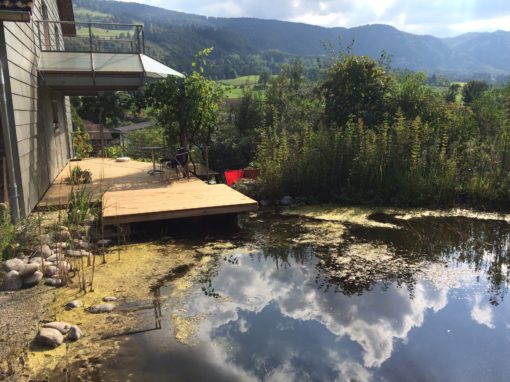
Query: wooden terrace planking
(129,194)
(182,198)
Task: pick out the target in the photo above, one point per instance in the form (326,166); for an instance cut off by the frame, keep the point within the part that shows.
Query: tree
(189,107)
(356,86)
(473,90)
(451,93)
(108,108)
(264,77)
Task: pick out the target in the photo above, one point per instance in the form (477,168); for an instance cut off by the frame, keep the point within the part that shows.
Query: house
(101,136)
(46,57)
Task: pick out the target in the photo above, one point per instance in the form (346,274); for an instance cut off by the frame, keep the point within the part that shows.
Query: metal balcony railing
(69,36)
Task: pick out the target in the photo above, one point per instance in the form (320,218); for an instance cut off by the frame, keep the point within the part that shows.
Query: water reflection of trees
(482,245)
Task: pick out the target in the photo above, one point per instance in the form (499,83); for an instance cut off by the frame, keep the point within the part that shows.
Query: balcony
(88,58)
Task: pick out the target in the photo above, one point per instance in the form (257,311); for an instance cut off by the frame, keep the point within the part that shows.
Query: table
(152,149)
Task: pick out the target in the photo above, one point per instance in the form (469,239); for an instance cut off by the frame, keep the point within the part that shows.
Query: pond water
(298,299)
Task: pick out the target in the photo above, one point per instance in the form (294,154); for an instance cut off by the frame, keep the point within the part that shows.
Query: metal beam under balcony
(99,57)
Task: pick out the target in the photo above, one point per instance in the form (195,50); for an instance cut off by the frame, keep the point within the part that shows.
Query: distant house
(43,62)
(101,136)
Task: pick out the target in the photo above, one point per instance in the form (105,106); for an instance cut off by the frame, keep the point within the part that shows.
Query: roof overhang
(66,13)
(84,73)
(16,10)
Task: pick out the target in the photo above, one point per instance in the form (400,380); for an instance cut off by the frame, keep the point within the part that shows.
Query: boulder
(50,271)
(62,235)
(61,245)
(286,200)
(3,207)
(43,251)
(109,298)
(101,308)
(50,337)
(264,203)
(33,279)
(62,327)
(12,281)
(74,253)
(13,264)
(53,282)
(84,244)
(36,260)
(103,242)
(73,304)
(74,333)
(28,269)
(52,258)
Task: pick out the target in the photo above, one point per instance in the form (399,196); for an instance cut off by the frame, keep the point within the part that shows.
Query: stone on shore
(50,271)
(286,200)
(12,281)
(264,203)
(33,279)
(28,269)
(43,251)
(50,337)
(74,304)
(62,327)
(103,242)
(62,235)
(109,298)
(74,333)
(53,282)
(101,308)
(13,264)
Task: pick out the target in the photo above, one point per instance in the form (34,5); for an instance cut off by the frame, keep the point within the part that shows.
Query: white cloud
(436,17)
(482,312)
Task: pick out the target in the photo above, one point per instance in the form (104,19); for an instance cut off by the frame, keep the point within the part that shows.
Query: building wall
(43,146)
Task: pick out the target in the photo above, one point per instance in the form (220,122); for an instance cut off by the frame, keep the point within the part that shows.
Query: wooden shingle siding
(43,150)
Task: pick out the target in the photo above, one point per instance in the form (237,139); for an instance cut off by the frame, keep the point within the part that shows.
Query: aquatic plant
(79,176)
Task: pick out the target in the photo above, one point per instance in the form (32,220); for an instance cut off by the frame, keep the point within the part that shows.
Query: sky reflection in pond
(283,313)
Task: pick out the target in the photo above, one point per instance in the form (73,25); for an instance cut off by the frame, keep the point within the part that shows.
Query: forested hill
(248,45)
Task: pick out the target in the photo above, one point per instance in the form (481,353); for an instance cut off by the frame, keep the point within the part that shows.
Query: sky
(441,18)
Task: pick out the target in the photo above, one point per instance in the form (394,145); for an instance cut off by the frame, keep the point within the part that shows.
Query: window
(46,44)
(54,110)
(57,38)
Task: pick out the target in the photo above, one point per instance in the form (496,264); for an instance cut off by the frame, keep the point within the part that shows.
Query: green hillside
(246,46)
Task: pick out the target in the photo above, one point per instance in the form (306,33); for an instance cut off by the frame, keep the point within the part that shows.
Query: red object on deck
(233,176)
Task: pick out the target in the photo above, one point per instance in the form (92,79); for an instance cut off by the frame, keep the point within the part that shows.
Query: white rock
(62,327)
(33,279)
(43,251)
(103,242)
(74,333)
(53,282)
(264,203)
(286,200)
(74,304)
(13,264)
(50,337)
(50,271)
(28,270)
(12,281)
(109,298)
(101,308)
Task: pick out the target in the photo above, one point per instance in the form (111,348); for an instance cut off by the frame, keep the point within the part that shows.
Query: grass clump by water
(19,237)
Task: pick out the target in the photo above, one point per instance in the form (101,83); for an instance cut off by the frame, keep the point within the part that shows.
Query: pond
(304,299)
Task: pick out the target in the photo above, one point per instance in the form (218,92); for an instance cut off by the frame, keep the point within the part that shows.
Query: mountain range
(174,37)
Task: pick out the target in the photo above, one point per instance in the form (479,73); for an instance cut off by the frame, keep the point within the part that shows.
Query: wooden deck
(129,194)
